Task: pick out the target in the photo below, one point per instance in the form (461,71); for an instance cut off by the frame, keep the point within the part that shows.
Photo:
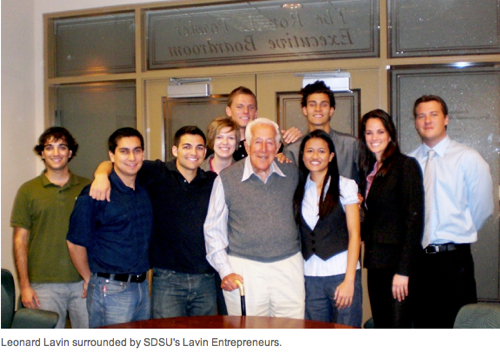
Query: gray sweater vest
(261,224)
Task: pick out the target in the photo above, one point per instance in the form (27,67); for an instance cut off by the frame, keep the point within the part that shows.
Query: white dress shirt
(215,227)
(463,192)
(336,265)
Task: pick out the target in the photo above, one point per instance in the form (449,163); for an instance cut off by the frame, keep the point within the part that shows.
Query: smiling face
(190,153)
(262,148)
(243,109)
(225,143)
(317,155)
(127,157)
(318,111)
(377,137)
(56,154)
(431,122)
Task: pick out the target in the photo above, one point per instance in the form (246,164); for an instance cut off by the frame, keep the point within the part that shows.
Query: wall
(23,95)
(18,109)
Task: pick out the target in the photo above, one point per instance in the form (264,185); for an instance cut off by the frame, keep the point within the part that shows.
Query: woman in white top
(330,233)
(223,136)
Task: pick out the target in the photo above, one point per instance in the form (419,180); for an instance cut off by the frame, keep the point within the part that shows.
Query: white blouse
(336,265)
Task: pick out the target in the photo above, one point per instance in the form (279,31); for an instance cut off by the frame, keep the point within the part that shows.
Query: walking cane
(242,295)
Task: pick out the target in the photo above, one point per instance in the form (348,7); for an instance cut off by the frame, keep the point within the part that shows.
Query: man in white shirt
(459,200)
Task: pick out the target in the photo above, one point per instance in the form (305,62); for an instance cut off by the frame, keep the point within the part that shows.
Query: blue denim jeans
(320,302)
(63,298)
(112,302)
(178,294)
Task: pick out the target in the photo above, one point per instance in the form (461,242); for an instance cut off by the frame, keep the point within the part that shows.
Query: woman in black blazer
(392,186)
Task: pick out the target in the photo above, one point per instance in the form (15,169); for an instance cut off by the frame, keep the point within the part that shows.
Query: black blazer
(394,217)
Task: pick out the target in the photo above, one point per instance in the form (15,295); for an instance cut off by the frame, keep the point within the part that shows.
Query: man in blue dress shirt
(459,200)
(109,241)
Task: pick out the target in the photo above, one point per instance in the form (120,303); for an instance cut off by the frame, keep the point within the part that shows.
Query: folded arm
(100,189)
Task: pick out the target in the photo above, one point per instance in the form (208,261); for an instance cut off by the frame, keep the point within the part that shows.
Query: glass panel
(345,119)
(92,113)
(179,112)
(473,99)
(429,27)
(95,45)
(262,31)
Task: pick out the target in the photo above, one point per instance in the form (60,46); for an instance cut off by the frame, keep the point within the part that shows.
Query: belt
(124,277)
(434,249)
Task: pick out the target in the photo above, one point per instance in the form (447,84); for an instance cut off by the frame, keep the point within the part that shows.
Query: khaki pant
(271,288)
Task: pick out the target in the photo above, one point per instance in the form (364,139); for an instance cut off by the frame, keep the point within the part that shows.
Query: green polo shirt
(44,209)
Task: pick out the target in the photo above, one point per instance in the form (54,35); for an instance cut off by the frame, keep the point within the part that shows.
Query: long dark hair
(328,203)
(366,159)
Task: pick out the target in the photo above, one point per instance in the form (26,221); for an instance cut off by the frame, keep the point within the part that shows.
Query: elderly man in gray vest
(250,230)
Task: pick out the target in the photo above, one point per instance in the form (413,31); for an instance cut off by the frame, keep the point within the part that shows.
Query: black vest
(329,237)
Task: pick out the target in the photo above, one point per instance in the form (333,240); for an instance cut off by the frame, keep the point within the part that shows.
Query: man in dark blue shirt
(183,280)
(109,241)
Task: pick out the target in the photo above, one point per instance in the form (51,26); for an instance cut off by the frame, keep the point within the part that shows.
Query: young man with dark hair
(109,241)
(40,218)
(115,138)
(458,201)
(183,280)
(242,108)
(318,106)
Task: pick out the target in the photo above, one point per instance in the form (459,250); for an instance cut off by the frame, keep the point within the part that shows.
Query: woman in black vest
(330,232)
(394,217)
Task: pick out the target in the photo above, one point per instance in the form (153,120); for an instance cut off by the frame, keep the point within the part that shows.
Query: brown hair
(430,98)
(366,159)
(217,125)
(240,90)
(57,133)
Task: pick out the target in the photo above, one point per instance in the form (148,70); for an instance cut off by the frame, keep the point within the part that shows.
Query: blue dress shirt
(463,194)
(116,233)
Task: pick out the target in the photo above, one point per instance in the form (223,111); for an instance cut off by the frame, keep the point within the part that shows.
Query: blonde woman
(223,135)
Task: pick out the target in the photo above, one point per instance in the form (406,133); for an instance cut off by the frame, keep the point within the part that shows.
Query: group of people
(289,225)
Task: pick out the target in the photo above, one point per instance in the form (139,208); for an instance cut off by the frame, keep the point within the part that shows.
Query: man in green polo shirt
(40,218)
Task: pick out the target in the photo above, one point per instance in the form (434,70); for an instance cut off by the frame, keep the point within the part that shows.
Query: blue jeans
(63,298)
(320,302)
(178,294)
(112,302)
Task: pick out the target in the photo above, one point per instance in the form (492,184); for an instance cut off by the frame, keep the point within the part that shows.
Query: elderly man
(250,231)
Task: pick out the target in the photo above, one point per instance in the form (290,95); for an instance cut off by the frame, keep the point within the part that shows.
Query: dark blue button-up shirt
(116,233)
